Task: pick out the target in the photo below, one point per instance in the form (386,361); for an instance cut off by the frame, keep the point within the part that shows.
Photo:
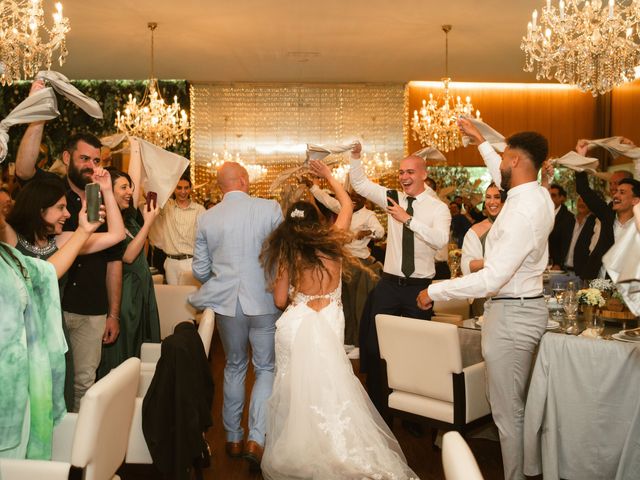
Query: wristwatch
(408,222)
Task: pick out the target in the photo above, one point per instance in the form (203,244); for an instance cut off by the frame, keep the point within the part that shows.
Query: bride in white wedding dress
(321,424)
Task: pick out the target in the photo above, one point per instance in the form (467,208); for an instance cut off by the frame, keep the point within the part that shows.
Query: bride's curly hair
(300,242)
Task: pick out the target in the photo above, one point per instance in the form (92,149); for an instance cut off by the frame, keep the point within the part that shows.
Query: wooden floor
(424,461)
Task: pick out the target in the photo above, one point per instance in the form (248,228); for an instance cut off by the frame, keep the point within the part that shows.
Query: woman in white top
(473,244)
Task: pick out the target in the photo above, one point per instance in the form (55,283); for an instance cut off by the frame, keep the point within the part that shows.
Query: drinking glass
(570,307)
(596,325)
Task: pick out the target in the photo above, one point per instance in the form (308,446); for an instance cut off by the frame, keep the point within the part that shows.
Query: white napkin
(40,106)
(495,138)
(157,169)
(319,152)
(431,153)
(112,141)
(577,162)
(622,262)
(615,147)
(63,86)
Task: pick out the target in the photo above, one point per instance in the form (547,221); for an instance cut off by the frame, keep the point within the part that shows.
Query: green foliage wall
(110,94)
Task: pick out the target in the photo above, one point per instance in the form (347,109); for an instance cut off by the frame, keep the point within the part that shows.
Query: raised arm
(491,158)
(361,184)
(343,221)
(149,214)
(29,148)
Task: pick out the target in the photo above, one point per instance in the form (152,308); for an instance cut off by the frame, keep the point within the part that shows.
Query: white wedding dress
(321,423)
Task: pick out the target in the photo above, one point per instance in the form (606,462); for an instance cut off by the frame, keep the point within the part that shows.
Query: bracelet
(115,317)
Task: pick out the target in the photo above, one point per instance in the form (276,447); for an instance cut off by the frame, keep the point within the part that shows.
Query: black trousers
(390,298)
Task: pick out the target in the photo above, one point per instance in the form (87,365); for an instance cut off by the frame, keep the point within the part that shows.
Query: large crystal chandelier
(151,119)
(436,125)
(22,52)
(584,44)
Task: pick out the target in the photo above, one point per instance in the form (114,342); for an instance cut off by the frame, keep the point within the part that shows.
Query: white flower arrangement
(296,213)
(604,285)
(592,297)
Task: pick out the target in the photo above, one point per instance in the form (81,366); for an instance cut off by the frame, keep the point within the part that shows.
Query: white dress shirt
(516,249)
(471,250)
(363,219)
(179,227)
(430,223)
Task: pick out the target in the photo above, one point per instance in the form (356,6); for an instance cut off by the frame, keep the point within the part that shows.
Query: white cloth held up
(495,138)
(40,106)
(62,85)
(622,262)
(577,162)
(430,153)
(319,152)
(615,146)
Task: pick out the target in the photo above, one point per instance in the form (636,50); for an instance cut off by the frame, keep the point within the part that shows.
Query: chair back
(104,421)
(173,306)
(187,278)
(420,355)
(205,329)
(457,459)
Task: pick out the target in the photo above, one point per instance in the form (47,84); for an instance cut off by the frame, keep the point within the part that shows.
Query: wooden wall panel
(561,114)
(625,114)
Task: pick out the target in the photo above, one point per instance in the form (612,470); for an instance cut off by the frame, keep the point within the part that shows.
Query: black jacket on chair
(176,410)
(560,236)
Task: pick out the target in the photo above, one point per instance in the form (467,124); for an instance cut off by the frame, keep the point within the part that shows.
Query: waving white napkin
(622,262)
(430,153)
(495,138)
(40,106)
(63,86)
(577,162)
(112,141)
(156,169)
(320,152)
(615,146)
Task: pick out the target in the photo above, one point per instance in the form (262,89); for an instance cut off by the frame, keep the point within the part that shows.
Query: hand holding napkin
(495,138)
(62,85)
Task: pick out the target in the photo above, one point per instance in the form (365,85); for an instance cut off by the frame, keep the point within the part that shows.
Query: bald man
(418,226)
(228,241)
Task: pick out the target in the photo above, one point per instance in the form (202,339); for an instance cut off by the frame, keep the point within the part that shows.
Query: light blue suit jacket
(228,242)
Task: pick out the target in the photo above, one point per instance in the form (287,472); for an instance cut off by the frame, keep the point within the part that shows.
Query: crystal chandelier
(22,52)
(436,125)
(151,119)
(593,48)
(378,163)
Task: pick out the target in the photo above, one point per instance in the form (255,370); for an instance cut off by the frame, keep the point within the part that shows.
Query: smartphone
(92,192)
(152,197)
(392,194)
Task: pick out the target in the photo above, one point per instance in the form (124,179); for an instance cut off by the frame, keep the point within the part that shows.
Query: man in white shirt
(516,255)
(179,222)
(418,226)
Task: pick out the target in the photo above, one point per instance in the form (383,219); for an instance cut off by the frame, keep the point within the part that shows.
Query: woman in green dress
(139,321)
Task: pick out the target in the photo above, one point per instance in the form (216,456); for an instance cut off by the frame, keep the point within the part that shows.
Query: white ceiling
(251,40)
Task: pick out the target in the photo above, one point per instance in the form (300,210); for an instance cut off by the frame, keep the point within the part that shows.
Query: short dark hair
(561,190)
(35,197)
(72,142)
(635,185)
(534,144)
(626,173)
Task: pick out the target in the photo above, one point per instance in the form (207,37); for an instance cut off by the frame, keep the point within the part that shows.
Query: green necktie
(408,262)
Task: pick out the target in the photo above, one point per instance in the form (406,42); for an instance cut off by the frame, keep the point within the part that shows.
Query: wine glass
(570,306)
(546,293)
(558,290)
(596,324)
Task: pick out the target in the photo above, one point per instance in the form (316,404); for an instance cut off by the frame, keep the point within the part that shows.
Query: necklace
(36,251)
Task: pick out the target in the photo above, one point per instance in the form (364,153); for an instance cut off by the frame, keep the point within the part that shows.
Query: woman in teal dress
(139,322)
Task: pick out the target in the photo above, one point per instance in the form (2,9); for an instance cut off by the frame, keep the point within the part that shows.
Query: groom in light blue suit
(228,243)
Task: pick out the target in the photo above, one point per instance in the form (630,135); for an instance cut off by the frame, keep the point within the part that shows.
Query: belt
(518,298)
(404,281)
(181,256)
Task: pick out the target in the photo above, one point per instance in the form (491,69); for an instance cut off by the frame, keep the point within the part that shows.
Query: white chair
(158,278)
(173,306)
(92,443)
(187,278)
(447,318)
(425,373)
(457,459)
(452,307)
(137,450)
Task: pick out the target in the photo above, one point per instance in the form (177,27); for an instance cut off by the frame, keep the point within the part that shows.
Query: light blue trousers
(236,334)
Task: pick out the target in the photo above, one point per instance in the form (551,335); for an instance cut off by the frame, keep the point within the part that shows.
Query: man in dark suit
(560,237)
(586,232)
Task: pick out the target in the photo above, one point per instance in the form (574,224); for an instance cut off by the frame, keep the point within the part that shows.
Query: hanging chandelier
(591,47)
(22,52)
(151,119)
(437,125)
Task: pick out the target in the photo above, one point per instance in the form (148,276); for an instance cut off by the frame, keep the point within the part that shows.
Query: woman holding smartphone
(139,321)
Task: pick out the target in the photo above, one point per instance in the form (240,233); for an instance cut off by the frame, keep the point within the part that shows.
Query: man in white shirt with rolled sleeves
(516,255)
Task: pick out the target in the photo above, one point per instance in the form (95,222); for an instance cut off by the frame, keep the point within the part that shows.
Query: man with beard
(91,300)
(516,254)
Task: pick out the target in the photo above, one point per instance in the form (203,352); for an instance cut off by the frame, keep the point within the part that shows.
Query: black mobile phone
(92,193)
(152,197)
(392,194)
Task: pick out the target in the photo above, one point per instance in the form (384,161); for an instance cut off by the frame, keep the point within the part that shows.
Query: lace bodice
(334,296)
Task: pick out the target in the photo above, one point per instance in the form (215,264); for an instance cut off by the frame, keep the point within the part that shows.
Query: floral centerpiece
(592,297)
